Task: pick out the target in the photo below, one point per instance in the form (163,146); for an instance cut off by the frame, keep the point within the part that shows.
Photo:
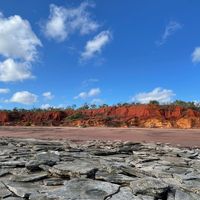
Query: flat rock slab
(125,193)
(53,182)
(4,192)
(3,172)
(81,189)
(181,195)
(30,177)
(97,170)
(14,198)
(23,190)
(49,157)
(113,177)
(74,168)
(13,163)
(150,186)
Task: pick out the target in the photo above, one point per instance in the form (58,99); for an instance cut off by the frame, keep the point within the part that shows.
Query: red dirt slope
(123,116)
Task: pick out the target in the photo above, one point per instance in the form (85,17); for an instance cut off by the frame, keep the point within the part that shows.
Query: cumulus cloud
(82,95)
(24,97)
(48,95)
(48,106)
(18,45)
(45,106)
(91,93)
(17,40)
(171,28)
(97,101)
(4,90)
(95,45)
(10,70)
(63,21)
(94,92)
(196,55)
(158,94)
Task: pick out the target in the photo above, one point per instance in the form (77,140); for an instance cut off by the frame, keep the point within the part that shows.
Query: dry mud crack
(97,170)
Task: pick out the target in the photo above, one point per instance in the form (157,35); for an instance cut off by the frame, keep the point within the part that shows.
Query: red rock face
(123,116)
(4,117)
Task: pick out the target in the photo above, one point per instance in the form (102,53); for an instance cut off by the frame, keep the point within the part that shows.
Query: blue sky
(64,52)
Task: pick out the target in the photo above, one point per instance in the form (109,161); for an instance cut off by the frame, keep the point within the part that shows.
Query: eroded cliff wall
(123,116)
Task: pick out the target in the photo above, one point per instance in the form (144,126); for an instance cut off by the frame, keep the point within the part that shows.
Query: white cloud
(65,21)
(45,106)
(170,29)
(24,97)
(4,90)
(91,93)
(14,71)
(196,55)
(48,95)
(97,101)
(18,44)
(87,82)
(95,45)
(82,95)
(158,94)
(94,92)
(17,40)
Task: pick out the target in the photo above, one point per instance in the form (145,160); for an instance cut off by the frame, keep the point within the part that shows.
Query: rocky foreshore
(97,170)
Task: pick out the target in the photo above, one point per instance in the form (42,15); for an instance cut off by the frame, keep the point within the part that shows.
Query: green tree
(189,104)
(93,106)
(84,107)
(154,102)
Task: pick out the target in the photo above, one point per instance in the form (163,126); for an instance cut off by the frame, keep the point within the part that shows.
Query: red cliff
(122,116)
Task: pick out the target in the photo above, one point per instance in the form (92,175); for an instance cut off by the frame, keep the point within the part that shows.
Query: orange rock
(185,123)
(157,123)
(4,117)
(122,116)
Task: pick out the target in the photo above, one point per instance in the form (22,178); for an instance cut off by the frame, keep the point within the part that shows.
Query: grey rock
(3,172)
(124,193)
(33,165)
(170,196)
(81,189)
(113,177)
(13,198)
(53,182)
(149,186)
(75,168)
(102,152)
(39,196)
(191,185)
(13,163)
(30,177)
(48,158)
(181,195)
(55,170)
(132,171)
(23,190)
(4,192)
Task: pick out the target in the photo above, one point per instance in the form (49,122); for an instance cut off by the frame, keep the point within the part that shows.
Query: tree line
(86,106)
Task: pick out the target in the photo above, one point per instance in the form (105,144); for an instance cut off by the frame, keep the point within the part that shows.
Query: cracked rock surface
(97,170)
